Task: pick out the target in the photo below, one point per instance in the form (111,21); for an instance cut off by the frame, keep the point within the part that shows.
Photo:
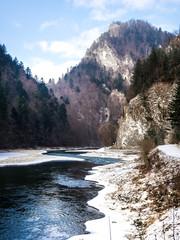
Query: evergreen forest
(30,114)
(162,65)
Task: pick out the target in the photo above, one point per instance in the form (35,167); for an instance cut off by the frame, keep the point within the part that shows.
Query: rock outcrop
(94,91)
(146,115)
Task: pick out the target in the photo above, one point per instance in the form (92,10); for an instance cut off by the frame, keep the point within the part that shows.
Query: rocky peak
(113,30)
(103,77)
(105,56)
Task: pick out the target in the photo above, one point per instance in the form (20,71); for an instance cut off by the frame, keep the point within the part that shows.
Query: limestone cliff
(94,90)
(143,114)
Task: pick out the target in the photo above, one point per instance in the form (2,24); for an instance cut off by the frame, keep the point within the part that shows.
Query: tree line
(160,66)
(30,115)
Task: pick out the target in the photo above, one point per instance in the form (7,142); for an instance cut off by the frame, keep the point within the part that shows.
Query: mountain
(153,108)
(30,114)
(95,90)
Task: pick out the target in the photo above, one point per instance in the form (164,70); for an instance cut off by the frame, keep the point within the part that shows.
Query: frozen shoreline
(128,207)
(117,223)
(124,200)
(29,157)
(114,218)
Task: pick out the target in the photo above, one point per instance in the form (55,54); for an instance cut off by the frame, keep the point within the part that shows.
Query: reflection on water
(45,201)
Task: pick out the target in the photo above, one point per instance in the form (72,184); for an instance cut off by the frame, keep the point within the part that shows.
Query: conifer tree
(118,83)
(3,115)
(3,104)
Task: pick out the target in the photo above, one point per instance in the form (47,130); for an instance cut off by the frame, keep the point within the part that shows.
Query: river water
(47,201)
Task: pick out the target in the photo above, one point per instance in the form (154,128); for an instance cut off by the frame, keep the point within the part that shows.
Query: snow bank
(172,150)
(117,223)
(124,199)
(102,149)
(5,155)
(126,202)
(29,157)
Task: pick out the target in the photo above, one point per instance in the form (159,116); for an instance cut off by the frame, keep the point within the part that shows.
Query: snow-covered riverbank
(27,157)
(137,204)
(130,210)
(117,223)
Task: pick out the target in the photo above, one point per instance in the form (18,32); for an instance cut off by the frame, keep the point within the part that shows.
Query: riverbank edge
(117,223)
(28,157)
(94,227)
(122,184)
(137,203)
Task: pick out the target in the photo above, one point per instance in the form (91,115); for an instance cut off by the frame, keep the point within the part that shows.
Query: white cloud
(74,48)
(51,23)
(102,4)
(138,4)
(72,51)
(89,4)
(94,3)
(103,10)
(98,14)
(43,45)
(86,38)
(47,69)
(47,24)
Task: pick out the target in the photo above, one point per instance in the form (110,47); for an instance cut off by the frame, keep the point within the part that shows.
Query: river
(49,200)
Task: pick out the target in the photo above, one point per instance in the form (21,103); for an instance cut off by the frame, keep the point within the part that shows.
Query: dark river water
(47,201)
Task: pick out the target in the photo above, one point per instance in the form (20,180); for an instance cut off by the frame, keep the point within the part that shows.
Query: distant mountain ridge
(94,91)
(92,94)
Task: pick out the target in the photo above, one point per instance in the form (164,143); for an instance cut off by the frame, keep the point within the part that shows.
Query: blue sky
(49,36)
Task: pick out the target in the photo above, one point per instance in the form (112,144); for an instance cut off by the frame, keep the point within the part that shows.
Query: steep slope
(94,91)
(154,82)
(140,120)
(30,115)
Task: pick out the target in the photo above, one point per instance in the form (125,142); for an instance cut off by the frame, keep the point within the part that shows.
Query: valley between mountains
(123,95)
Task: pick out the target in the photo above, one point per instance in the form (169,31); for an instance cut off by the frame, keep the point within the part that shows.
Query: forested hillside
(30,114)
(153,111)
(95,90)
(91,96)
(162,65)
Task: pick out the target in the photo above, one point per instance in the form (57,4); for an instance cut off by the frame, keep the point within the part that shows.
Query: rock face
(94,91)
(107,56)
(146,115)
